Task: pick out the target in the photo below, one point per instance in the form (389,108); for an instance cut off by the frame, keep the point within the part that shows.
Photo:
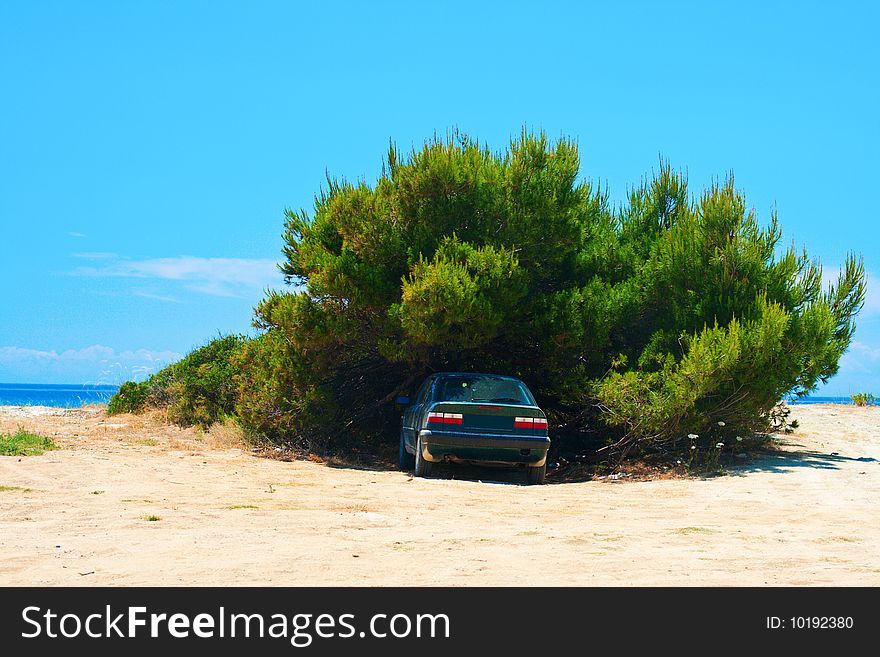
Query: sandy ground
(808,515)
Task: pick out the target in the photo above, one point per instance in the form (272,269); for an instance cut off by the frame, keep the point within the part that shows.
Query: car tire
(405,460)
(422,468)
(536,475)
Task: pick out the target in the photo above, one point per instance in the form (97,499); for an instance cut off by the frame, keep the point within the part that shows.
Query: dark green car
(474,418)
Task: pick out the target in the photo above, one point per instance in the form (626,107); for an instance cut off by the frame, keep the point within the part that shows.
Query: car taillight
(445,418)
(530,423)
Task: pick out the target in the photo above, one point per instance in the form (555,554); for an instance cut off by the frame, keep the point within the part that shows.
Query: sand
(807,515)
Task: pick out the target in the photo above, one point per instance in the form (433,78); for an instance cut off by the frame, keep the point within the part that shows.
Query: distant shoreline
(55,395)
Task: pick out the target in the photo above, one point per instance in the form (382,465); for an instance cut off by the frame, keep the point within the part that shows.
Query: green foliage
(25,443)
(656,319)
(863,399)
(278,398)
(130,398)
(639,324)
(460,299)
(199,389)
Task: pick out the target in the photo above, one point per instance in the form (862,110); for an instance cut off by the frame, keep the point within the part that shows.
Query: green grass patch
(147,442)
(242,506)
(694,530)
(25,443)
(152,518)
(839,539)
(11,489)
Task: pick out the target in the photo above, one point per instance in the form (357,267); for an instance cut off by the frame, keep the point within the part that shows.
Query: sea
(76,395)
(61,395)
(821,400)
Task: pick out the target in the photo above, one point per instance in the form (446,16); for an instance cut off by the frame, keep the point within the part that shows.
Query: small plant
(712,459)
(9,489)
(242,506)
(778,419)
(694,530)
(152,518)
(25,443)
(863,399)
(97,492)
(692,452)
(704,460)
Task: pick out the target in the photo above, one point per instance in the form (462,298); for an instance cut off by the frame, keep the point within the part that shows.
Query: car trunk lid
(487,417)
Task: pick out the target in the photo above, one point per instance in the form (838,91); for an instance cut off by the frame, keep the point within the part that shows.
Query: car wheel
(536,475)
(422,467)
(405,460)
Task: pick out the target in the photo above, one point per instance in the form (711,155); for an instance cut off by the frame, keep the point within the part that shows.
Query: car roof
(485,374)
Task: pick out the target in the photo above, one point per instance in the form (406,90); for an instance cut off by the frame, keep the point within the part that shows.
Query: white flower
(739,439)
(678,461)
(693,446)
(693,436)
(721,424)
(719,445)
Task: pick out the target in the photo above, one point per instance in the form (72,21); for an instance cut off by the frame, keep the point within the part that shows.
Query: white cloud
(861,358)
(11,354)
(93,364)
(863,350)
(95,352)
(223,277)
(859,371)
(75,234)
(157,297)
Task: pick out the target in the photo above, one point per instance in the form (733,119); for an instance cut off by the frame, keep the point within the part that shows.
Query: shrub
(199,389)
(669,315)
(662,317)
(277,399)
(863,399)
(130,398)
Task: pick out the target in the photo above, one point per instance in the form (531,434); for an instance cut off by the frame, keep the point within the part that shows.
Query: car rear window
(482,389)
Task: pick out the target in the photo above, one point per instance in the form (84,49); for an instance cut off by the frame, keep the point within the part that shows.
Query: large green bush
(642,323)
(669,315)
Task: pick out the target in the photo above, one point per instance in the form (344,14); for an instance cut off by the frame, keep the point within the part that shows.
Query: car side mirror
(403,400)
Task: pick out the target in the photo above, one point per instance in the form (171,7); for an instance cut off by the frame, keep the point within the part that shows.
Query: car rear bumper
(484,447)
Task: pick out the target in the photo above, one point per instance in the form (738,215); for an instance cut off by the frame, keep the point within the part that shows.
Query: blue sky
(148,150)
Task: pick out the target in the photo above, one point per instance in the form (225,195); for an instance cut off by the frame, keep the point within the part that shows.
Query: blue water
(61,395)
(821,400)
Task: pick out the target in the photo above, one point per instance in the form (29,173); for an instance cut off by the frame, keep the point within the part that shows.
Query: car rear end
(485,432)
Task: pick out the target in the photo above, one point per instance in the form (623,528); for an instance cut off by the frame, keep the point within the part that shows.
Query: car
(486,419)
